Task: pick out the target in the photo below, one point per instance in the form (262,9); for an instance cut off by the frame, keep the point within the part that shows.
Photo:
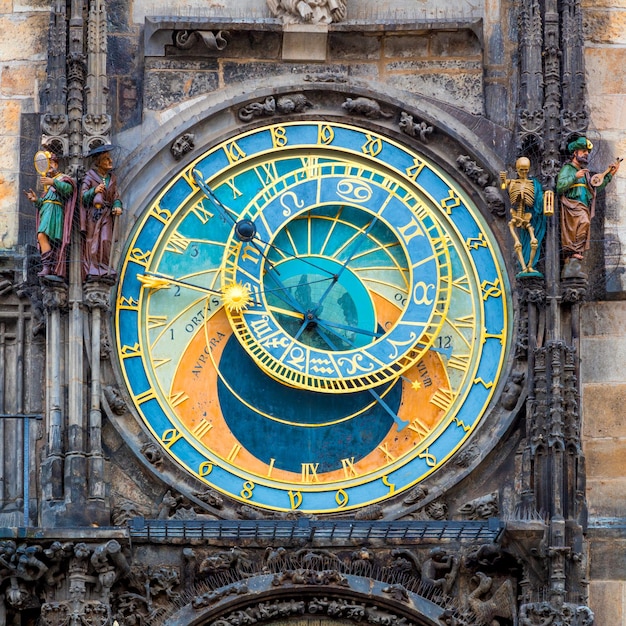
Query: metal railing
(307,530)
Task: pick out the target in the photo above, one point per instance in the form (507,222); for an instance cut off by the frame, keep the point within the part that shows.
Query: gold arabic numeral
(279,136)
(140,257)
(201,212)
(309,472)
(146,396)
(234,152)
(459,362)
(205,469)
(452,201)
(128,304)
(462,425)
(341,498)
(491,289)
(295,499)
(177,243)
(248,490)
(419,428)
(499,336)
(392,486)
(267,173)
(233,452)
(484,383)
(384,448)
(131,351)
(230,183)
(372,146)
(156,321)
(170,437)
(201,429)
(415,170)
(442,398)
(431,459)
(474,243)
(325,134)
(160,213)
(349,469)
(410,230)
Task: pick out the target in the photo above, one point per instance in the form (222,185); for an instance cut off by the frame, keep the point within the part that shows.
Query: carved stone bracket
(213,40)
(573,289)
(544,613)
(54,295)
(97,294)
(417,130)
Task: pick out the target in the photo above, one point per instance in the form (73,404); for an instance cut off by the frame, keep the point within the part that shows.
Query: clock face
(311,316)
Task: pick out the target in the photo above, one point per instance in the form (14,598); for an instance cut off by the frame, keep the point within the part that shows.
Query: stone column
(52,479)
(97,299)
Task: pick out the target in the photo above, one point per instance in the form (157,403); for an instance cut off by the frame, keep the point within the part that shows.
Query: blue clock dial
(311,316)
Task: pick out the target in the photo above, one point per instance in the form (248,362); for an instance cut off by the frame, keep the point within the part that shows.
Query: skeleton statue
(529,206)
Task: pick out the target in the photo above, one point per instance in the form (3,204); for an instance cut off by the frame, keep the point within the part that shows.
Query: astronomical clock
(311,316)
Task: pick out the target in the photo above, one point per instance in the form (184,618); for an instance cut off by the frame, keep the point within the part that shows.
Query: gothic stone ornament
(311,284)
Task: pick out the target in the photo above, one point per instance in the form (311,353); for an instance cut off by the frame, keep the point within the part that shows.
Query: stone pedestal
(305,42)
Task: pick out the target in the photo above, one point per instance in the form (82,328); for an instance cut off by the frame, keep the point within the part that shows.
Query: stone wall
(605,58)
(23,54)
(603,374)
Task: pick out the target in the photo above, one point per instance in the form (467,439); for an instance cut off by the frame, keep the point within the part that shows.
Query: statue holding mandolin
(577,190)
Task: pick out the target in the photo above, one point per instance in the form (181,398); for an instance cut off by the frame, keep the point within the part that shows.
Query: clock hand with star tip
(400,423)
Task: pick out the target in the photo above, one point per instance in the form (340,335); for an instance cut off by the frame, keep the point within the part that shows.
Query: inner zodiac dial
(311,317)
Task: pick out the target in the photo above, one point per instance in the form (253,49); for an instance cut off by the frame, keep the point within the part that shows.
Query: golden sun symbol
(236,297)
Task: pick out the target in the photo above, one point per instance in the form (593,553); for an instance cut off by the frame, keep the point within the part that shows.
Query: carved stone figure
(481,508)
(577,189)
(100,205)
(440,569)
(308,11)
(55,212)
(500,604)
(528,221)
(366,107)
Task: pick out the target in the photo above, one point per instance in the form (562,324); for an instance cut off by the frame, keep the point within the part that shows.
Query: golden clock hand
(400,423)
(276,309)
(154,280)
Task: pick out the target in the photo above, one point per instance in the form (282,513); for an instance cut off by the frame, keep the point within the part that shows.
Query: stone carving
(235,558)
(481,508)
(124,512)
(440,569)
(501,603)
(212,498)
(407,562)
(371,512)
(365,107)
(303,576)
(397,592)
(294,103)
(494,201)
(38,316)
(151,590)
(416,495)
(326,77)
(182,145)
(207,599)
(472,170)
(414,129)
(213,40)
(153,453)
(512,390)
(547,614)
(437,510)
(467,456)
(308,11)
(114,399)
